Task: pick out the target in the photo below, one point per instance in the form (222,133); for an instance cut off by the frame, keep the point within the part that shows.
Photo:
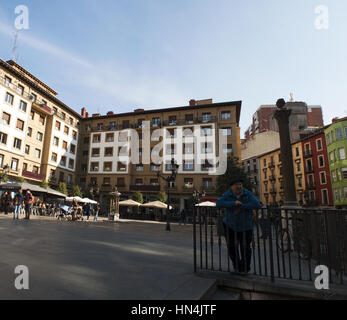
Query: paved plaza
(87,260)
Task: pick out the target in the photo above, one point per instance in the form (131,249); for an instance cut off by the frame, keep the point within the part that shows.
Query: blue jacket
(243,220)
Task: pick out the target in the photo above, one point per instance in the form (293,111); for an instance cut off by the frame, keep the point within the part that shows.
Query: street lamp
(172,178)
(114,204)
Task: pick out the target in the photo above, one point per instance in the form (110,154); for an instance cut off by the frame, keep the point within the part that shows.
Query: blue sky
(123,54)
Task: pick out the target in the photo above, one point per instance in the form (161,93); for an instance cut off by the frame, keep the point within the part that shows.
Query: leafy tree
(233,171)
(137,196)
(62,188)
(44,184)
(76,191)
(162,196)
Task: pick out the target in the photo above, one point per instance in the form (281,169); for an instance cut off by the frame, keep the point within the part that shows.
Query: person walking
(8,203)
(238,224)
(18,200)
(28,200)
(97,209)
(183,217)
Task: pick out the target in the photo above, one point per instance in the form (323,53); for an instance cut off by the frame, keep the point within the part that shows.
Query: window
(95,152)
(39,136)
(9,98)
(123,151)
(56,141)
(65,145)
(226,115)
(54,157)
(96,138)
(207,148)
(25,166)
(121,166)
(3,138)
(344,173)
(228,148)
(69,179)
(338,133)
(188,183)
(44,102)
(297,152)
(63,115)
(126,124)
(38,153)
(172,120)
(189,148)
(155,167)
(17,143)
(108,152)
(94,166)
(32,115)
(345,192)
(206,117)
(346,132)
(30,132)
(206,183)
(113,125)
(332,156)
(34,97)
(27,149)
(319,144)
(20,90)
(226,131)
(66,130)
(120,182)
(207,131)
(71,121)
(108,166)
(35,169)
(333,174)
(14,164)
(139,182)
(71,163)
(189,118)
(74,135)
(23,106)
(107,181)
(7,81)
(188,165)
(6,118)
(109,137)
(57,125)
(328,138)
(264,162)
(72,149)
(342,153)
(20,124)
(42,120)
(321,161)
(155,122)
(51,174)
(61,177)
(154,182)
(323,179)
(139,167)
(63,161)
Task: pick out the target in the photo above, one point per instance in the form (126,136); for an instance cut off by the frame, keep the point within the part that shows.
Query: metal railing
(284,243)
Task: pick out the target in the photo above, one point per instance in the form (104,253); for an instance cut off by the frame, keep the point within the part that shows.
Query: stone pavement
(87,260)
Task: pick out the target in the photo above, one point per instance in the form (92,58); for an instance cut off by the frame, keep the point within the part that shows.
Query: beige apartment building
(41,138)
(38,133)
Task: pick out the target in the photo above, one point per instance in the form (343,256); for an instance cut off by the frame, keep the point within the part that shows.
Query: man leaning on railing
(240,204)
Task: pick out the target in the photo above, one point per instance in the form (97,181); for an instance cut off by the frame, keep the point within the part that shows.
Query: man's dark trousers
(239,242)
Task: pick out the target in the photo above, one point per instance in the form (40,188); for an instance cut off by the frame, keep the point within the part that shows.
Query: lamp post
(114,204)
(171,178)
(282,115)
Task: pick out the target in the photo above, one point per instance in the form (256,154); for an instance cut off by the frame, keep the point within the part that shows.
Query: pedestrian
(238,224)
(183,217)
(97,209)
(28,200)
(8,203)
(87,210)
(18,201)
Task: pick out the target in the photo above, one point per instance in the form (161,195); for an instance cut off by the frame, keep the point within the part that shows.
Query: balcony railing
(33,175)
(272,177)
(307,153)
(311,186)
(309,170)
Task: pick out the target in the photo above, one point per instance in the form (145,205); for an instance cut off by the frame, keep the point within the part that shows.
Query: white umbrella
(86,200)
(78,199)
(156,204)
(129,203)
(206,204)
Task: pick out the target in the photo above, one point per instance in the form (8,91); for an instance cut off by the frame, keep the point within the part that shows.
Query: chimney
(87,115)
(84,113)
(110,113)
(192,103)
(139,110)
(335,120)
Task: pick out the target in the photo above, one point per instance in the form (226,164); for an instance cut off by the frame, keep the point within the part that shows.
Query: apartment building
(38,132)
(195,136)
(271,176)
(336,140)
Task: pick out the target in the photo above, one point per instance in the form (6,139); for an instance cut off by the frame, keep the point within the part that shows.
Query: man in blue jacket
(238,223)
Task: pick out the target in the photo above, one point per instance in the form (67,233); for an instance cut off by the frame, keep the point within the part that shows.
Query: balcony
(272,165)
(307,154)
(33,175)
(272,178)
(42,108)
(311,186)
(309,170)
(145,188)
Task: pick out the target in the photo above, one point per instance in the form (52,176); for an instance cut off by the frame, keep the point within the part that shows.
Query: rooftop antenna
(15,46)
(291,97)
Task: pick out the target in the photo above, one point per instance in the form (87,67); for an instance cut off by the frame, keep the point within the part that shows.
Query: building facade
(336,140)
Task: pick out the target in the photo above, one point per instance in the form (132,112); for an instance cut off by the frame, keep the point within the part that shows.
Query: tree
(162,196)
(76,191)
(233,171)
(137,196)
(62,188)
(44,184)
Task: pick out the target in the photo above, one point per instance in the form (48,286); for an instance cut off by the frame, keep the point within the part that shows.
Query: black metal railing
(284,243)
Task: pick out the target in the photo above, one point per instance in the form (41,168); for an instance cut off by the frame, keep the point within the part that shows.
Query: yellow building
(271,175)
